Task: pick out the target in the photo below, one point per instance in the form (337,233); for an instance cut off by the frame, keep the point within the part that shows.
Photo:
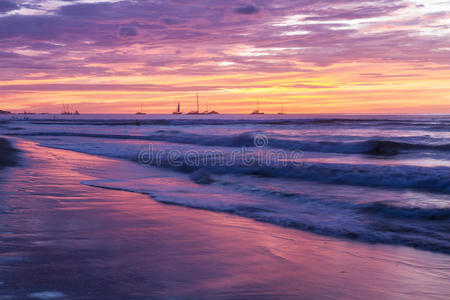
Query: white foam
(47,295)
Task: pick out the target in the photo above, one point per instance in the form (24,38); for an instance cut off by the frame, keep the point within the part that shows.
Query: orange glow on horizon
(321,57)
(342,88)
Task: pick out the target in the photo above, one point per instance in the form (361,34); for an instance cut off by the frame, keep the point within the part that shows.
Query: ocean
(374,179)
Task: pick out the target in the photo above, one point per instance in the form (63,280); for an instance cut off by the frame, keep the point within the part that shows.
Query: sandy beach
(61,239)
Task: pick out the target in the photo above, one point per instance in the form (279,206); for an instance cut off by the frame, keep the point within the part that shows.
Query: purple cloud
(87,10)
(6,6)
(127,32)
(246,10)
(195,37)
(361,12)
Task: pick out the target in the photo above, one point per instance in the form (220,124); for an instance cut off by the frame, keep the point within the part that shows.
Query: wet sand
(60,239)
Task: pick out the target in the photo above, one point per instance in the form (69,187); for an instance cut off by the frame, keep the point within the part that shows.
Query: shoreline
(60,236)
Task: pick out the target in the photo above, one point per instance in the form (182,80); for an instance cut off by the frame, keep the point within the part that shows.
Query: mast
(198,108)
(178,107)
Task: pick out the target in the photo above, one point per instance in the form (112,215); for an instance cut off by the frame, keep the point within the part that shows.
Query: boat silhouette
(257,111)
(140,112)
(66,110)
(178,111)
(206,112)
(195,112)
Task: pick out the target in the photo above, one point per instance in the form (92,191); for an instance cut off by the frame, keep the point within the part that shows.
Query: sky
(309,56)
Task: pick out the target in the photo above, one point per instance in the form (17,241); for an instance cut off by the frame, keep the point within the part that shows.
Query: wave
(426,178)
(386,147)
(374,222)
(382,209)
(391,211)
(433,179)
(371,147)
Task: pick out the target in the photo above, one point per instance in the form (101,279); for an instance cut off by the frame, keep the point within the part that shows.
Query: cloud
(127,32)
(360,12)
(87,10)
(246,10)
(6,6)
(141,37)
(104,87)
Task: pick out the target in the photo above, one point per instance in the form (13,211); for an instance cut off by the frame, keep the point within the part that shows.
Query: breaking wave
(372,147)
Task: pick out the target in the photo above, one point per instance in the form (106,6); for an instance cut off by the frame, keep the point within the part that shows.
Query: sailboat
(282,110)
(256,111)
(178,111)
(195,112)
(66,110)
(140,112)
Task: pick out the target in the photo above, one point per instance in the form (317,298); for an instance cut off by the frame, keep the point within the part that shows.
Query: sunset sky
(312,56)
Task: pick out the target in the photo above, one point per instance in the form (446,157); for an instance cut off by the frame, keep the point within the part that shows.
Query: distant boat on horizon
(141,112)
(282,110)
(66,110)
(178,111)
(257,111)
(207,112)
(195,112)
